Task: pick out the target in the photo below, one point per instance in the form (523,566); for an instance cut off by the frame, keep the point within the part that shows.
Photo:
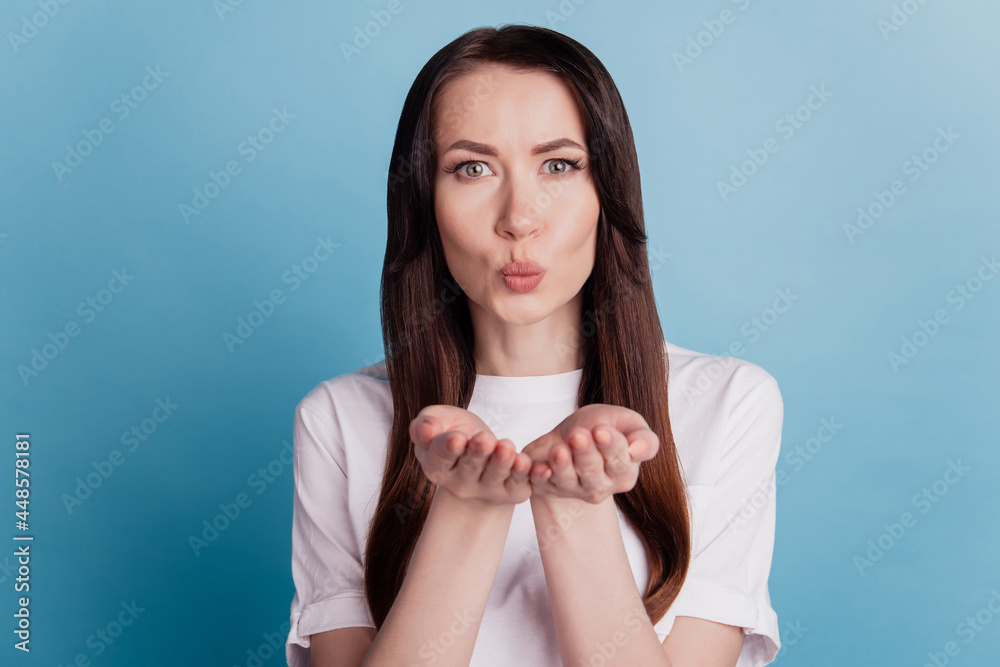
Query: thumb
(422,431)
(642,444)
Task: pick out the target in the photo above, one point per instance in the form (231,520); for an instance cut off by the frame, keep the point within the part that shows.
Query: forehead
(508,108)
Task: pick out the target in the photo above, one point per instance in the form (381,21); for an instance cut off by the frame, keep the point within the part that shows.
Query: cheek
(461,246)
(580,221)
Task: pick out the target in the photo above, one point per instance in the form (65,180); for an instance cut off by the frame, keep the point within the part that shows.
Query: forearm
(596,605)
(438,610)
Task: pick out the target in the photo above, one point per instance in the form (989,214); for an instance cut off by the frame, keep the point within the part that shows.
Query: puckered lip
(521,267)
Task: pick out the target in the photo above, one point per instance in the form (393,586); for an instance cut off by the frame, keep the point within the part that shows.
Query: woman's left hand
(593,453)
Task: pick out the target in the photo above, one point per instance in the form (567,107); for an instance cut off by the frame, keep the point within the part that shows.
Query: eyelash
(574,164)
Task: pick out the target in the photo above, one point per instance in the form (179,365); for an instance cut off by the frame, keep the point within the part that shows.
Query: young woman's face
(513,182)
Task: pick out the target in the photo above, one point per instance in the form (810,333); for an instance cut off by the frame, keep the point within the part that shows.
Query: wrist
(558,506)
(473,507)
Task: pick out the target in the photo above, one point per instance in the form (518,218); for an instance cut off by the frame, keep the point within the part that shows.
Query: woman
(517,301)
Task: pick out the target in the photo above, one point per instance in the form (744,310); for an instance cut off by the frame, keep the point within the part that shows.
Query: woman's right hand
(459,452)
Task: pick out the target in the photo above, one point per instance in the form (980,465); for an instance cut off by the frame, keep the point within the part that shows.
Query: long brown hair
(428,334)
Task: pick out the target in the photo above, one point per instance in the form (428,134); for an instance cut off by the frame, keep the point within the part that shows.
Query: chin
(522,316)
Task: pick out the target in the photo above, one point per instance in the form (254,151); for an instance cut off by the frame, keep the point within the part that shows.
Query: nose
(520,209)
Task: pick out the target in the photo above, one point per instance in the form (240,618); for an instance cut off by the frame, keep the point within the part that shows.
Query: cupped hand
(459,453)
(592,454)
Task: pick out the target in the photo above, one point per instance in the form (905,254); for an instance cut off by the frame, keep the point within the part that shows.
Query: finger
(498,466)
(537,449)
(614,448)
(643,444)
(423,430)
(520,470)
(471,463)
(539,476)
(564,474)
(589,463)
(446,447)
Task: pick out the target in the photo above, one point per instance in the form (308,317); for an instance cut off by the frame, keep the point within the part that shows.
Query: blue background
(717,263)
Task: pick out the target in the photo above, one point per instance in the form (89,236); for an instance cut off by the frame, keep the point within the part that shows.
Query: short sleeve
(326,560)
(732,547)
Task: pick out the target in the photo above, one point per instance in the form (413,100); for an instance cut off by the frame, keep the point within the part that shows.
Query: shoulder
(358,394)
(713,382)
(718,403)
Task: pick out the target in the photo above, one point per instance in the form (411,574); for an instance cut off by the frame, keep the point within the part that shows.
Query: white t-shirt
(726,415)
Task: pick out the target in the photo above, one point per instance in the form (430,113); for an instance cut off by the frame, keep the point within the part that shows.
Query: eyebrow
(486,149)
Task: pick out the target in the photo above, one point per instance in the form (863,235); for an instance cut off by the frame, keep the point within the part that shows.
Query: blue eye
(464,174)
(477,164)
(575,164)
(461,167)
